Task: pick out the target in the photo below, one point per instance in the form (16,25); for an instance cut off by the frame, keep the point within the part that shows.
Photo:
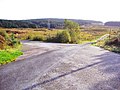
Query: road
(51,66)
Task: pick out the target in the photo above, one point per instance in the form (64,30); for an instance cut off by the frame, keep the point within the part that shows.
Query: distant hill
(43,23)
(112,24)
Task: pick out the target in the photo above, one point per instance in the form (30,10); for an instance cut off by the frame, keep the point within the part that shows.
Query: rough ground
(49,66)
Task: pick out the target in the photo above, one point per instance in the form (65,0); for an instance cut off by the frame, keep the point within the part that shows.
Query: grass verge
(7,56)
(113,47)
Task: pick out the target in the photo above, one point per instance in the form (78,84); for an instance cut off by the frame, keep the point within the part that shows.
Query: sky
(100,10)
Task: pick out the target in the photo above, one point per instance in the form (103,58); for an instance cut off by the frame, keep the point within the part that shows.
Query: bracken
(2,42)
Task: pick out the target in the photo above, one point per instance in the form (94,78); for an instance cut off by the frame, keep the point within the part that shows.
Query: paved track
(49,66)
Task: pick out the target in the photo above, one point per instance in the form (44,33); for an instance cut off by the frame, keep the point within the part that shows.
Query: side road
(66,67)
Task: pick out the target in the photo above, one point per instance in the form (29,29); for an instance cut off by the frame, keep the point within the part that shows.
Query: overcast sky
(103,10)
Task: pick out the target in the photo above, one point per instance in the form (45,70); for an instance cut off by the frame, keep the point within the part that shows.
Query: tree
(74,30)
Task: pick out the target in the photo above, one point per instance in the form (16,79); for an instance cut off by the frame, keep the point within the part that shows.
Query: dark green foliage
(16,24)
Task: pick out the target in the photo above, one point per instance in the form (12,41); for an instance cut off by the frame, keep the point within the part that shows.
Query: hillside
(42,23)
(112,24)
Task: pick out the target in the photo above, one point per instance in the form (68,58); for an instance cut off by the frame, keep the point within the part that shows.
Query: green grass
(7,56)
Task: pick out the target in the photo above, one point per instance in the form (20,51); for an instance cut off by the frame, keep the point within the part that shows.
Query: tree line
(41,23)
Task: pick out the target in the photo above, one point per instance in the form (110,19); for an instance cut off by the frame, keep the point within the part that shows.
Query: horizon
(58,18)
(103,11)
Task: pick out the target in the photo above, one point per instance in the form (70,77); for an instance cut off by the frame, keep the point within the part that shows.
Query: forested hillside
(42,23)
(112,24)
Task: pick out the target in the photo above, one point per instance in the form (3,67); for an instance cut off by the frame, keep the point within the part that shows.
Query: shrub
(113,41)
(38,38)
(13,41)
(61,37)
(30,37)
(64,37)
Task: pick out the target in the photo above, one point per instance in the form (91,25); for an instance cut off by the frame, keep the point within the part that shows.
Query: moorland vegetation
(72,32)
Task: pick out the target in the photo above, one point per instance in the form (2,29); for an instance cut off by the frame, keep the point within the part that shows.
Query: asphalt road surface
(51,66)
